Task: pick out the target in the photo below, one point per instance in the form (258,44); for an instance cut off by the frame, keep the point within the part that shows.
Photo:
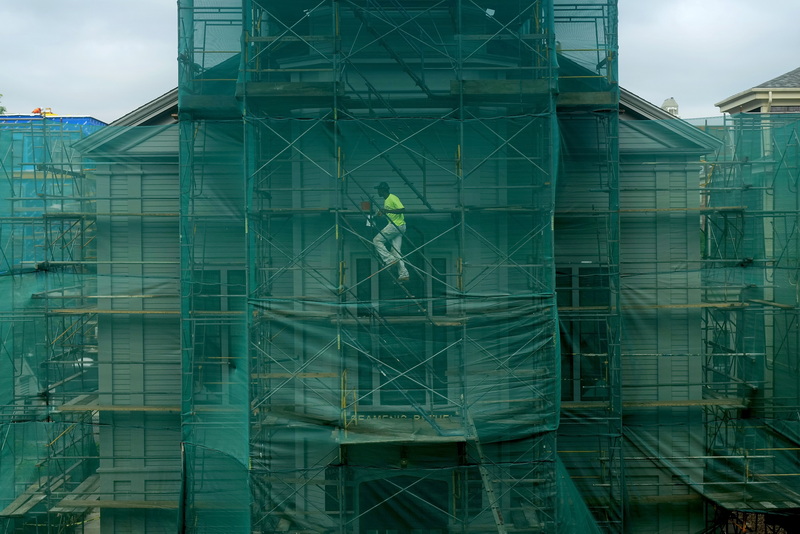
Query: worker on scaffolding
(393,232)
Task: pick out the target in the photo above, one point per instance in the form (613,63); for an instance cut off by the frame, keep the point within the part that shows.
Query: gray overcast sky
(703,51)
(101,58)
(105,58)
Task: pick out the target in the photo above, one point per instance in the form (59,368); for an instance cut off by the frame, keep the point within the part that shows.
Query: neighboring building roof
(790,79)
(121,133)
(80,120)
(157,112)
(780,94)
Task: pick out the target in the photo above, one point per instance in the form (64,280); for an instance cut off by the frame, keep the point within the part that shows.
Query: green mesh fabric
(48,347)
(597,334)
(375,403)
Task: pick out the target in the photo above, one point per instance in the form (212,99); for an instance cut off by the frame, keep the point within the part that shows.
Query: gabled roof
(672,132)
(122,135)
(644,120)
(158,111)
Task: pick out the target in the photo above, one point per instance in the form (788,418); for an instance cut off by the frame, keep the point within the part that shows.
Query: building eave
(157,111)
(759,98)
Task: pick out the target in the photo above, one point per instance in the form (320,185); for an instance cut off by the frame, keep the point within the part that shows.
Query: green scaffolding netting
(200,334)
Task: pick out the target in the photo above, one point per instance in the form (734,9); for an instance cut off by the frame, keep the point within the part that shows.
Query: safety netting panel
(358,372)
(587,242)
(707,299)
(209,55)
(405,361)
(215,399)
(375,344)
(46,339)
(587,49)
(750,333)
(213,275)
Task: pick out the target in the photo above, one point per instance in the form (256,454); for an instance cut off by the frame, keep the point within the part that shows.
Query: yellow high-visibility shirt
(393,203)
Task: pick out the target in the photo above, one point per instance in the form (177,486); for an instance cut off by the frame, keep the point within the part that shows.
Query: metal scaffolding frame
(48,335)
(752,328)
(311,264)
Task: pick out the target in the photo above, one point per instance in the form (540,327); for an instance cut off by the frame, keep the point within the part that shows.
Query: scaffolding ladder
(488,485)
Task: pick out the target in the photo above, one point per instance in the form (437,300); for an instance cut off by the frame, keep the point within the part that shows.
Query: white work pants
(394,236)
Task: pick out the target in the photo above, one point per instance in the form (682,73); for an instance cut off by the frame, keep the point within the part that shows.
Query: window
(583,303)
(218,330)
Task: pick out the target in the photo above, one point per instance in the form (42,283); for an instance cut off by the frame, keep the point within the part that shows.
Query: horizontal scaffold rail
(119,504)
(730,402)
(344,211)
(117,408)
(594,211)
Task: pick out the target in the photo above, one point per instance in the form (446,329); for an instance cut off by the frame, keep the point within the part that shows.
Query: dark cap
(382,185)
